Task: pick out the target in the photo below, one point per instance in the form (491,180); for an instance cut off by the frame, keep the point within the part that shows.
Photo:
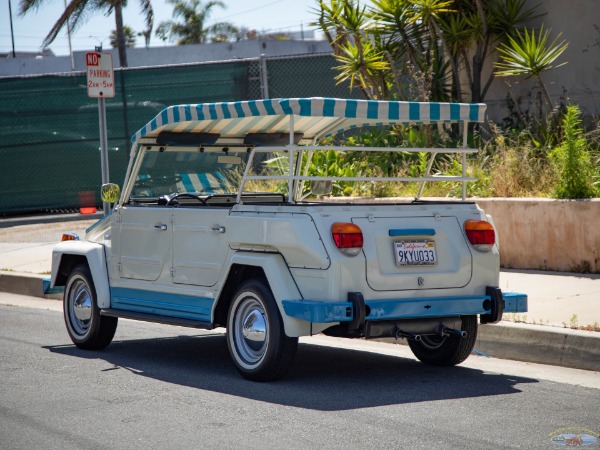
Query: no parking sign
(100,75)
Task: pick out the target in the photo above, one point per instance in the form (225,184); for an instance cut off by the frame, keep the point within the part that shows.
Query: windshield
(171,172)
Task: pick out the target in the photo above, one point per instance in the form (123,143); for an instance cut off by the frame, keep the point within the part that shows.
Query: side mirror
(110,192)
(321,187)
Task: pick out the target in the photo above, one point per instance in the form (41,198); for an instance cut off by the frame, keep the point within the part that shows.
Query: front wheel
(447,350)
(87,328)
(257,342)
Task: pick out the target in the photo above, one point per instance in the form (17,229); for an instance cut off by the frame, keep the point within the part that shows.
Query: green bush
(572,161)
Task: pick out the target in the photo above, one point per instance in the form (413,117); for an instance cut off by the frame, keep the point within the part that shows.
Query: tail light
(69,237)
(348,238)
(481,234)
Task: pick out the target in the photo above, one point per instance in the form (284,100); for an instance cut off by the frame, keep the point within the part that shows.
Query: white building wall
(579,80)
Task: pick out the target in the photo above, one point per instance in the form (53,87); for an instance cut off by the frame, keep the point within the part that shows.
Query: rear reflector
(348,238)
(481,234)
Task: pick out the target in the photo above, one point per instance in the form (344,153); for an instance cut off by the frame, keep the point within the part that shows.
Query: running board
(167,320)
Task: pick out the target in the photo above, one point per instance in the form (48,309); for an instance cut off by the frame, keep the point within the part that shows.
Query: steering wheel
(173,200)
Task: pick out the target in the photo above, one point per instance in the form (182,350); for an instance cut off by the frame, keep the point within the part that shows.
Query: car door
(144,243)
(199,245)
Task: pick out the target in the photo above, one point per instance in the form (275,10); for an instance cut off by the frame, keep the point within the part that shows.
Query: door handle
(160,226)
(218,229)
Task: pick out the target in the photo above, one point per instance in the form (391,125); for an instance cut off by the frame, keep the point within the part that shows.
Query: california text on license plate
(415,253)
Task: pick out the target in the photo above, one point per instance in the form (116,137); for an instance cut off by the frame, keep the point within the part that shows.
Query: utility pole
(12,35)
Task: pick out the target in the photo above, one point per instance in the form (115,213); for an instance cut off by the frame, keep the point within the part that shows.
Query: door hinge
(119,267)
(172,272)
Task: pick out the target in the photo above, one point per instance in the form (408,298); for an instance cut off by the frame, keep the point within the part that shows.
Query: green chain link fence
(49,132)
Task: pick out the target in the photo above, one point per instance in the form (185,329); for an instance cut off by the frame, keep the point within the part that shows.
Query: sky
(30,30)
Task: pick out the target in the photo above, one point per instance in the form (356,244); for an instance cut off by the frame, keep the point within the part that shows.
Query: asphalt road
(169,387)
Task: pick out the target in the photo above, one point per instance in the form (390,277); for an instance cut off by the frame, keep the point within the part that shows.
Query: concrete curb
(541,344)
(24,284)
(16,221)
(529,343)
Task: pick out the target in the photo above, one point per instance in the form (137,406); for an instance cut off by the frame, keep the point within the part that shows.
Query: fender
(94,253)
(282,285)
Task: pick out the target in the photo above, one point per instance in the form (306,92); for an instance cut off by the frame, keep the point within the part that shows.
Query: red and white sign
(100,75)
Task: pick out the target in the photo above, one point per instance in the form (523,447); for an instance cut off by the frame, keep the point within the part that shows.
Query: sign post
(100,85)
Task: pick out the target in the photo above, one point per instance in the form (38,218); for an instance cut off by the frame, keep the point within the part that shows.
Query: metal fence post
(264,76)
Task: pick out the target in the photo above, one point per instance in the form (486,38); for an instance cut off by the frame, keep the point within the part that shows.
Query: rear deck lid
(415,253)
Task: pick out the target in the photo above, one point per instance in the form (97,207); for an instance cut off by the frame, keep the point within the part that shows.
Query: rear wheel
(447,350)
(256,338)
(87,328)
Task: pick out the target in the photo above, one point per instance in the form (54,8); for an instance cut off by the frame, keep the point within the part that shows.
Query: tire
(256,339)
(447,350)
(87,328)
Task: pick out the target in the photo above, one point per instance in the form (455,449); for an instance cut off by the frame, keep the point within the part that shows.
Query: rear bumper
(407,308)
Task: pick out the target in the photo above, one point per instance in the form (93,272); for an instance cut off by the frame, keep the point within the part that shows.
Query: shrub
(572,160)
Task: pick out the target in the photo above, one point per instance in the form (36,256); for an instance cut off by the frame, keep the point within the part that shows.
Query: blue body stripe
(407,308)
(162,304)
(164,115)
(412,232)
(176,114)
(188,112)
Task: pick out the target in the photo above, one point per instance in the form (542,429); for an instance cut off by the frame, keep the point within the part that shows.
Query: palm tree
(192,29)
(77,10)
(530,55)
(129,37)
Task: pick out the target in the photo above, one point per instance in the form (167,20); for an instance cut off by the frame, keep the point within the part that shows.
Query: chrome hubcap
(251,331)
(80,306)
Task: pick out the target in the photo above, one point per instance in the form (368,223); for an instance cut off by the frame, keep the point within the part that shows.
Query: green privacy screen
(49,134)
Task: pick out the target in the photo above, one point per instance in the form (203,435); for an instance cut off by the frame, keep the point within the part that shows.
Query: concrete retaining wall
(543,234)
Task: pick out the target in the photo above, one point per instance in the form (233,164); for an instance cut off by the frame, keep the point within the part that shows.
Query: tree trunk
(120,34)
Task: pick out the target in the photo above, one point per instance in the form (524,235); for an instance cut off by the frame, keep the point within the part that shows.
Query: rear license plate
(415,253)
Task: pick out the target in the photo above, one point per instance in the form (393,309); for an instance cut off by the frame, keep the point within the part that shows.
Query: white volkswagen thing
(221,222)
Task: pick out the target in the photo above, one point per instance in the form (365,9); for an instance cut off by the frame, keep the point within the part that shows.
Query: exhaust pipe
(399,334)
(449,331)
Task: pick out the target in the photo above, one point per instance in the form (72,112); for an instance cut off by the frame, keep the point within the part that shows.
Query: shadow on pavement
(321,378)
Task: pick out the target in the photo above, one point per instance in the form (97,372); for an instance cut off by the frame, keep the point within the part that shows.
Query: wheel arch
(273,271)
(67,255)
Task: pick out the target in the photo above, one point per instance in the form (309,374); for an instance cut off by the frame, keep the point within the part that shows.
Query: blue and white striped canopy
(313,117)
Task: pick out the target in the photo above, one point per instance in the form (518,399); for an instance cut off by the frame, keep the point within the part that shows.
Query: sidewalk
(555,300)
